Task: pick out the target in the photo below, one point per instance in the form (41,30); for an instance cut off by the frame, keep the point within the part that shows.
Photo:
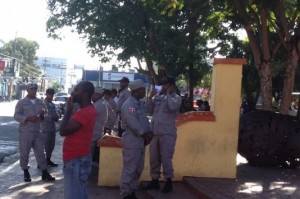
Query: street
(9,136)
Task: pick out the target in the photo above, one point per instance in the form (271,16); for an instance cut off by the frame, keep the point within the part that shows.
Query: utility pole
(62,66)
(60,79)
(45,64)
(15,46)
(99,76)
(43,89)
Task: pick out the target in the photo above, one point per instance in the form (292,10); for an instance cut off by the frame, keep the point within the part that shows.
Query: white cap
(136,84)
(99,90)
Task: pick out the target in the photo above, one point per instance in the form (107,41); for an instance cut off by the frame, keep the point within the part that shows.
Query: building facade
(9,73)
(110,79)
(55,70)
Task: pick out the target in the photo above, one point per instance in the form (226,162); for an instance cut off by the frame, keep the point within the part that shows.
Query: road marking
(9,142)
(2,142)
(10,167)
(8,123)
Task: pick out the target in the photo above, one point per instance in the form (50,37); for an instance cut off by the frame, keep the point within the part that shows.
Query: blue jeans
(76,173)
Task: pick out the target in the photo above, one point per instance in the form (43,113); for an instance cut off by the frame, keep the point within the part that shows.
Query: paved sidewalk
(251,183)
(12,185)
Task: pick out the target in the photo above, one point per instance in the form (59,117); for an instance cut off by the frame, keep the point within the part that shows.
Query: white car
(60,101)
(41,95)
(61,94)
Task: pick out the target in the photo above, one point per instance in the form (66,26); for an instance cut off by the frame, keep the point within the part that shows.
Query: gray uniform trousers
(101,119)
(49,129)
(30,135)
(165,108)
(136,124)
(34,140)
(133,165)
(161,153)
(49,142)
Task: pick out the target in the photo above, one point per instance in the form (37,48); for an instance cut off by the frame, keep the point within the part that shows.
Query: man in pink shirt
(78,131)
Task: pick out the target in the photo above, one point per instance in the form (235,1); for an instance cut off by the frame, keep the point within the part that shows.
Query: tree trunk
(151,70)
(266,85)
(288,84)
(260,48)
(192,29)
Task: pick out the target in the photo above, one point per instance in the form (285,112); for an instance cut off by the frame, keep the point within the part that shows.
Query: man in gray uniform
(112,112)
(48,126)
(124,93)
(29,112)
(101,119)
(137,133)
(165,107)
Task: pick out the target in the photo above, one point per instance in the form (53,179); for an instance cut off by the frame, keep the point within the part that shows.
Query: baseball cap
(107,92)
(168,80)
(50,91)
(124,79)
(99,90)
(136,84)
(32,85)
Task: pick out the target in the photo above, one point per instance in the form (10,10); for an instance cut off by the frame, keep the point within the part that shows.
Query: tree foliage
(262,20)
(169,35)
(25,51)
(56,86)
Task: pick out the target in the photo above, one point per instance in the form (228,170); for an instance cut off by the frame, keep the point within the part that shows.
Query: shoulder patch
(131,109)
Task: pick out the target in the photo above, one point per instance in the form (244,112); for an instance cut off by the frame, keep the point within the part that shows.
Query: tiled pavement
(251,183)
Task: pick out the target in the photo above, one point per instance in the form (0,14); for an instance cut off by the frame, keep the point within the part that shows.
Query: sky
(27,19)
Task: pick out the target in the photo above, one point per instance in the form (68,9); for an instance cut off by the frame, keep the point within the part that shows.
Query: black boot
(154,184)
(27,177)
(133,196)
(127,197)
(50,163)
(46,176)
(168,186)
(130,196)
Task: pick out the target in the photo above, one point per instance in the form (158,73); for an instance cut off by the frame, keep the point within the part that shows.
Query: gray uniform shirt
(26,108)
(48,124)
(123,95)
(135,122)
(101,119)
(112,113)
(164,109)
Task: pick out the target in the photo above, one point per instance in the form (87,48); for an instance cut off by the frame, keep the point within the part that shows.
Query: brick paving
(251,183)
(13,187)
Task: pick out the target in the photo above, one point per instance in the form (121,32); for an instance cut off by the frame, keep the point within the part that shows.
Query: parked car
(61,94)
(41,95)
(59,103)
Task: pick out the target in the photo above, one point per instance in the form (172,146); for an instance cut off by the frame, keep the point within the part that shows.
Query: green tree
(55,86)
(262,19)
(25,51)
(171,36)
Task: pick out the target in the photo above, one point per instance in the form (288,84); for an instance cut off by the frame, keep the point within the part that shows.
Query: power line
(11,57)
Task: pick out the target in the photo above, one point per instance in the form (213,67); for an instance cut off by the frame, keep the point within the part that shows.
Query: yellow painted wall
(209,149)
(203,148)
(111,165)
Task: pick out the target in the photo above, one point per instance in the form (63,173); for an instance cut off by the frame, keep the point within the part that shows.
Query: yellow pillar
(207,142)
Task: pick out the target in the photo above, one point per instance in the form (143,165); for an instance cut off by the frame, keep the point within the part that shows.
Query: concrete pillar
(208,140)
(206,143)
